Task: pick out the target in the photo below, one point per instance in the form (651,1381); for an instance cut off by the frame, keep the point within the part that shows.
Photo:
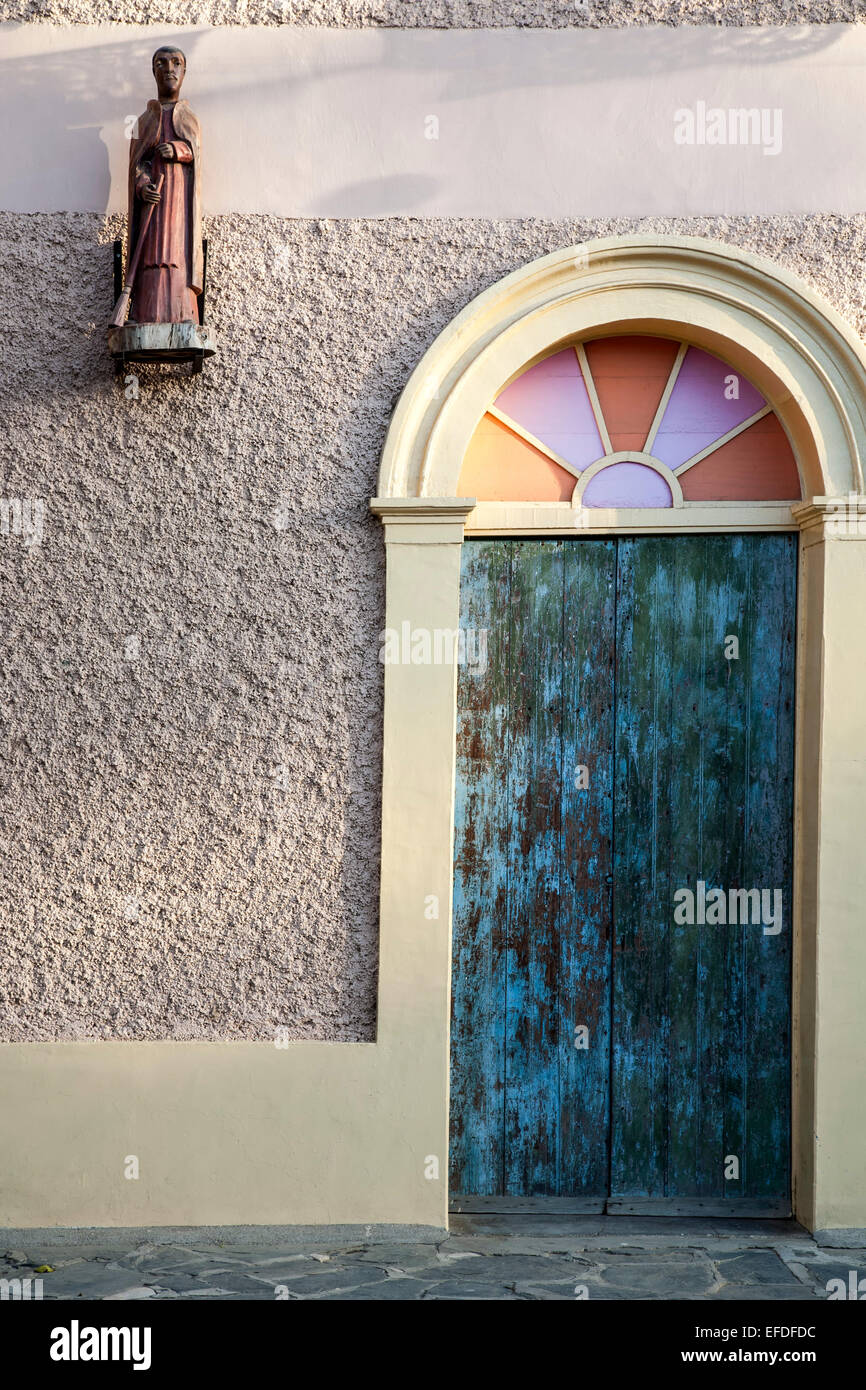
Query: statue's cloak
(142,147)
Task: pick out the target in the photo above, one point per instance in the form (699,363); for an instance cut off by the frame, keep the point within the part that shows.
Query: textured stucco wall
(436,14)
(190,834)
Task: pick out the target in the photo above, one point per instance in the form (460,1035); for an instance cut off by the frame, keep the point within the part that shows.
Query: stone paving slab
(392,1290)
(763,1293)
(643,1279)
(338,1280)
(468,1289)
(483,1258)
(176,1282)
(87,1279)
(564,1292)
(754,1267)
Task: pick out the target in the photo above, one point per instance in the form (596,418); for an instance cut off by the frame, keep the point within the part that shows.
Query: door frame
(471,1201)
(811,367)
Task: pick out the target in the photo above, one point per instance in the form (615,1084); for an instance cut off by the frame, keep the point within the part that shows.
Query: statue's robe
(170,270)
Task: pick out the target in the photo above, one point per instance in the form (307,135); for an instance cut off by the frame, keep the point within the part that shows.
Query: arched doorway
(621,980)
(808,368)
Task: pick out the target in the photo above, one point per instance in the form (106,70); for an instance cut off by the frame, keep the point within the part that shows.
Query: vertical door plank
(534,755)
(704,748)
(769,669)
(682,734)
(642,839)
(480,881)
(721,574)
(586,865)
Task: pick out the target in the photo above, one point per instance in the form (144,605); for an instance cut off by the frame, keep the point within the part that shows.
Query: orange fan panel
(630,375)
(758,466)
(501,467)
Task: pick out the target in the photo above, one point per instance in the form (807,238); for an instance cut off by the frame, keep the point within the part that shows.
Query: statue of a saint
(168,148)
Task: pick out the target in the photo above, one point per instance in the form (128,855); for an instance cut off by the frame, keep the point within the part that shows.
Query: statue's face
(169,69)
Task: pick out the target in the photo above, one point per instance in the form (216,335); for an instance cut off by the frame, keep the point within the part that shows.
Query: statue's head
(169,68)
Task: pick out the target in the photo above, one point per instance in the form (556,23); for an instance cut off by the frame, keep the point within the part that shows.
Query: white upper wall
(531,122)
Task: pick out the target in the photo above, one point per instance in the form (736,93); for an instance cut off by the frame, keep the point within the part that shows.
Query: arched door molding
(807,361)
(811,367)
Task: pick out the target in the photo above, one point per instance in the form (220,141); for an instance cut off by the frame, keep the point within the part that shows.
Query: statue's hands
(167,151)
(150,194)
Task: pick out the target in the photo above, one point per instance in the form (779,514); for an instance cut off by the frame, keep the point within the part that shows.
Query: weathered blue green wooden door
(622,912)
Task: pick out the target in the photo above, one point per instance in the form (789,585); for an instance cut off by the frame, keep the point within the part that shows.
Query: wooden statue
(169,275)
(164,257)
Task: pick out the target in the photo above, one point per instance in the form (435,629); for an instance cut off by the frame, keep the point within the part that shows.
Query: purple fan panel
(699,411)
(627,485)
(551,402)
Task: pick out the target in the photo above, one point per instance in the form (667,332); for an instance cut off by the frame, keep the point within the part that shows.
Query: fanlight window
(630,422)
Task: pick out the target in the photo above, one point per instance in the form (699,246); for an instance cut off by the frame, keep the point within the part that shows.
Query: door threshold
(743,1208)
(526,1206)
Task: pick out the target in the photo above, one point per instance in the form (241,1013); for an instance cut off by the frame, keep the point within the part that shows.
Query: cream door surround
(811,367)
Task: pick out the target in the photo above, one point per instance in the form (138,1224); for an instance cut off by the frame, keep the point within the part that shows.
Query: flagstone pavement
(482,1257)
